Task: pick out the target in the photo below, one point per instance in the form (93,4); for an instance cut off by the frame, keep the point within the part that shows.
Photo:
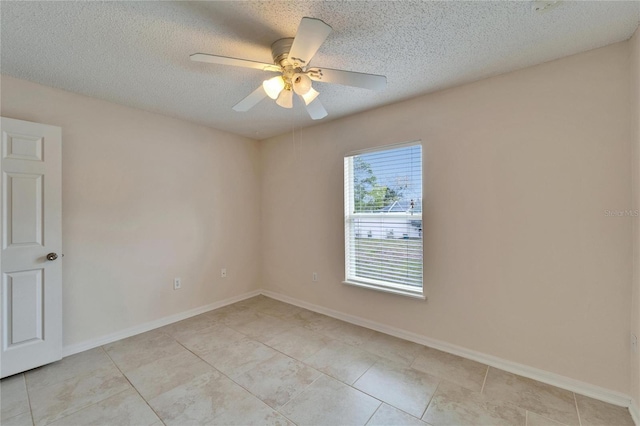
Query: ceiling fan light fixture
(273,86)
(285,100)
(291,58)
(301,84)
(310,96)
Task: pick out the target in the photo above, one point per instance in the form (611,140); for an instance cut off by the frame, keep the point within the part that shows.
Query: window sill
(401,292)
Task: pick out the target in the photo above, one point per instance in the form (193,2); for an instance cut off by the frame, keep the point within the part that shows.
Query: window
(383,219)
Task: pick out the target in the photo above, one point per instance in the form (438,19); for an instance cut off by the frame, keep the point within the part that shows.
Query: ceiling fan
(291,58)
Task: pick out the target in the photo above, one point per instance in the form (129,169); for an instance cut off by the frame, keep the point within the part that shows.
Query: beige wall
(146,198)
(520,260)
(635,161)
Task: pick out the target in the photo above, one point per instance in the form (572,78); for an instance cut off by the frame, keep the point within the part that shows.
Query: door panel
(31,306)
(23,147)
(23,202)
(23,292)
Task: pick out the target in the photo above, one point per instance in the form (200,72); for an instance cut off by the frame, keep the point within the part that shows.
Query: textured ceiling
(137,53)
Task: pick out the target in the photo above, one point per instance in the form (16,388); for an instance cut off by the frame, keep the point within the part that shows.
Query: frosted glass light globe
(285,100)
(310,96)
(301,84)
(273,86)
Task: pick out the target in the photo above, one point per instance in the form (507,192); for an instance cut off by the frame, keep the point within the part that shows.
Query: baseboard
(147,326)
(543,376)
(635,412)
(554,379)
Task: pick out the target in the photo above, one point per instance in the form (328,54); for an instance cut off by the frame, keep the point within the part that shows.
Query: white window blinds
(383,218)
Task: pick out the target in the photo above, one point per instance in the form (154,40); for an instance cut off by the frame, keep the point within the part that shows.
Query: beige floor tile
(263,328)
(23,419)
(341,361)
(190,325)
(266,301)
(125,408)
(212,399)
(278,309)
(249,411)
(167,373)
(194,402)
(284,312)
(277,380)
(235,307)
(298,342)
(401,352)
(218,315)
(330,402)
(534,419)
(249,303)
(465,372)
(405,388)
(312,320)
(257,303)
(239,357)
(598,413)
(136,351)
(237,318)
(349,333)
(208,339)
(455,405)
(67,368)
(58,400)
(284,374)
(549,401)
(387,415)
(13,396)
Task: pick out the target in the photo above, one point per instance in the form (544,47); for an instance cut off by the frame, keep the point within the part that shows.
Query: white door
(31,238)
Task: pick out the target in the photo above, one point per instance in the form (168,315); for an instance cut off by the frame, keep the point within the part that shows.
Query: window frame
(370,283)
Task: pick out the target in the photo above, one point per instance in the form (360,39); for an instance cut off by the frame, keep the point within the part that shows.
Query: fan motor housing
(280,51)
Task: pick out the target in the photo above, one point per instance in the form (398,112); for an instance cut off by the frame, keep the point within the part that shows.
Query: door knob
(52,256)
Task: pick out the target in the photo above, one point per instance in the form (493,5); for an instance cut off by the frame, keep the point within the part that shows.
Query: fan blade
(250,101)
(310,36)
(348,78)
(224,60)
(316,110)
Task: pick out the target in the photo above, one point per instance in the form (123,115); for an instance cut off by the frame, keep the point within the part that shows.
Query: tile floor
(261,361)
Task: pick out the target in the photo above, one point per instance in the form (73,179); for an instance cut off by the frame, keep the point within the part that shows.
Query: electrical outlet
(223,273)
(634,343)
(177,283)
(314,277)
